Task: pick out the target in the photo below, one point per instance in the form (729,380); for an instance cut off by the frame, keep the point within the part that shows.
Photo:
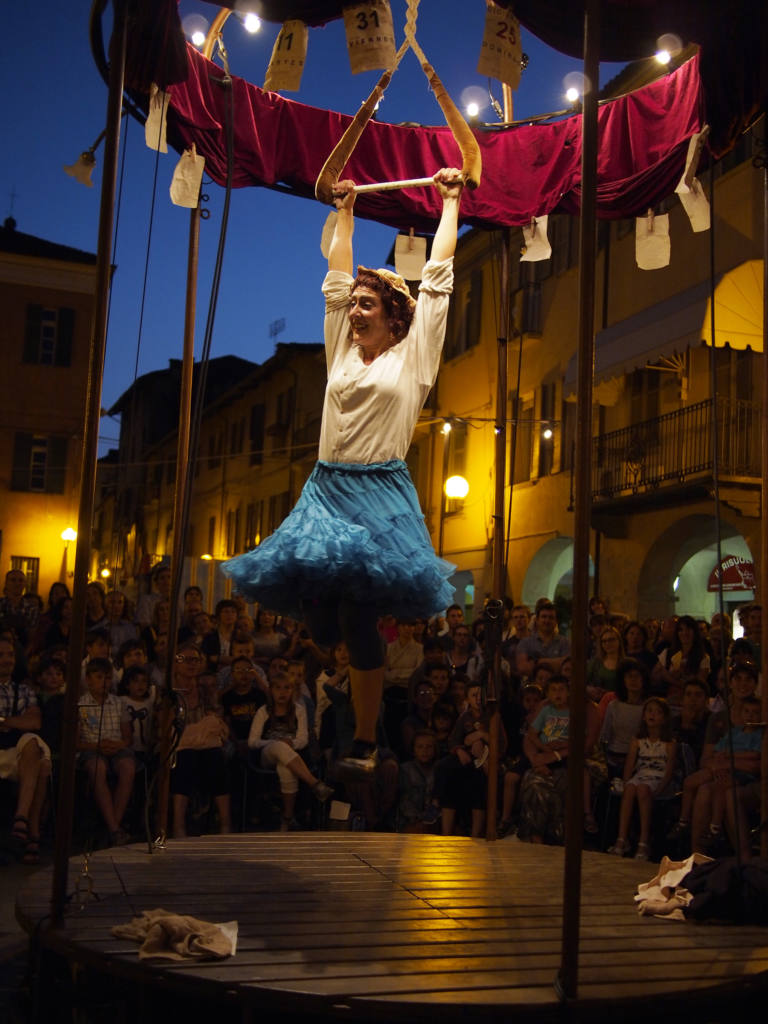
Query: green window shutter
(31,352)
(56,465)
(65,333)
(22,451)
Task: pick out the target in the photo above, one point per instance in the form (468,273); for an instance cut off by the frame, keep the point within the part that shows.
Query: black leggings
(351,621)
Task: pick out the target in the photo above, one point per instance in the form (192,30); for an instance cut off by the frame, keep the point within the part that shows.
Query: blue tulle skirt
(357,531)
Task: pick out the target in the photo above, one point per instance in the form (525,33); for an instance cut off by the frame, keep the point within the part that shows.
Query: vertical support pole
(92,419)
(567,982)
(496,606)
(183,469)
(764,509)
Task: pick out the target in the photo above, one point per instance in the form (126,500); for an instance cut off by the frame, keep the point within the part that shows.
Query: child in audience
(104,742)
(279,732)
(746,739)
(531,697)
(648,770)
(624,714)
(138,703)
(419,811)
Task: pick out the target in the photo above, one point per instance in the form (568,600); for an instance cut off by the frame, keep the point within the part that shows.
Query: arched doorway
(678,570)
(550,574)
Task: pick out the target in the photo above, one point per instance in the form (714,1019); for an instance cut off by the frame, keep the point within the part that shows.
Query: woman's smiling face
(368,320)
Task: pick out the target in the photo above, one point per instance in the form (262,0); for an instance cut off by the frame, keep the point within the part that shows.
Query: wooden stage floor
(373,927)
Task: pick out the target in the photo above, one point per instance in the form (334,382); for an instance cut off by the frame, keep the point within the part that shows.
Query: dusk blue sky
(55,104)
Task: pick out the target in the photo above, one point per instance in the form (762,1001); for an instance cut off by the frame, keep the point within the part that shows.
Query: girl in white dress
(647,771)
(356,546)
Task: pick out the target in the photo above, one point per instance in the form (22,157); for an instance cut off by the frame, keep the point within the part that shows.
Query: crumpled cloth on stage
(664,896)
(179,937)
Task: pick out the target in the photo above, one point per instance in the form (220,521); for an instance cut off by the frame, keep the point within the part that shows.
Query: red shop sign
(738,574)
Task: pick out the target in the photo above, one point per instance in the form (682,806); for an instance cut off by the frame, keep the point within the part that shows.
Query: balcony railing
(676,447)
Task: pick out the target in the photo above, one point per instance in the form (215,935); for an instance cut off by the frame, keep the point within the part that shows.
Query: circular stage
(381,927)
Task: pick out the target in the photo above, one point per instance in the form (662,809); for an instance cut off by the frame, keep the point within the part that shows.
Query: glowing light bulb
(446,427)
(547,434)
(663,56)
(105,574)
(251,22)
(472,110)
(69,534)
(456,487)
(572,95)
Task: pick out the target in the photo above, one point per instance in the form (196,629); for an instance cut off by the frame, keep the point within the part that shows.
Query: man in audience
(545,642)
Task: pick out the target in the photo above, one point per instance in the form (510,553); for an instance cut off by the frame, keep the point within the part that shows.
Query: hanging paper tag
(652,242)
(154,126)
(696,205)
(329,229)
(370,36)
(537,245)
(289,54)
(410,256)
(187,179)
(501,51)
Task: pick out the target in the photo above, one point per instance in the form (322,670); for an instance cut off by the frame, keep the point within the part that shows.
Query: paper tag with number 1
(288,56)
(501,51)
(370,36)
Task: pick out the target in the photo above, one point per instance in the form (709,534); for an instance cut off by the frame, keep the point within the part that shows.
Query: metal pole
(496,605)
(92,418)
(763,507)
(182,470)
(567,981)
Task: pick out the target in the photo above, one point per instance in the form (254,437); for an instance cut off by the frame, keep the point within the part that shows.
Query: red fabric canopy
(527,170)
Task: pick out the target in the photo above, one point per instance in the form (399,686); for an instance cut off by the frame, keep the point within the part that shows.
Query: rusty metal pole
(567,981)
(92,419)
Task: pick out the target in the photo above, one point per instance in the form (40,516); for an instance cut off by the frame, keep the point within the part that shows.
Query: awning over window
(738,308)
(664,330)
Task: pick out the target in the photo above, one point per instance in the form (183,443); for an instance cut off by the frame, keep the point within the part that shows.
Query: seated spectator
(138,701)
(60,625)
(15,613)
(602,669)
(268,639)
(242,646)
(57,593)
(418,810)
(434,654)
(745,738)
(544,786)
(119,624)
(445,628)
(637,644)
(335,678)
(51,686)
(161,590)
(403,657)
(200,763)
(457,693)
(216,645)
(517,764)
(461,781)
(418,720)
(689,725)
(25,759)
(95,608)
(444,717)
(104,741)
(279,733)
(648,771)
(624,714)
(685,657)
(461,649)
(161,619)
(132,652)
(544,642)
(97,646)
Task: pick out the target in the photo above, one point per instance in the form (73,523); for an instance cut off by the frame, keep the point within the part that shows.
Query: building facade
(46,294)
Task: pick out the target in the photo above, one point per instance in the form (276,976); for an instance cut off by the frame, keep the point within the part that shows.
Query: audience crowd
(261,715)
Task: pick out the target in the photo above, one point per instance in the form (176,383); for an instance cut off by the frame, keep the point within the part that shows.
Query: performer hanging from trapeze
(355,545)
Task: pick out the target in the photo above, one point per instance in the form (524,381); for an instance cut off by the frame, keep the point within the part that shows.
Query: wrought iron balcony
(676,448)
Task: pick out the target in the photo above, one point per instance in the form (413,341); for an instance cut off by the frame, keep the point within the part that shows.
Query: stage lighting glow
(456,487)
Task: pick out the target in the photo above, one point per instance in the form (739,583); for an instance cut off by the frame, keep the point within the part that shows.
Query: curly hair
(398,311)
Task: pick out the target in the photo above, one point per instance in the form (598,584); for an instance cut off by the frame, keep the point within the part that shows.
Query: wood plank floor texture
(365,921)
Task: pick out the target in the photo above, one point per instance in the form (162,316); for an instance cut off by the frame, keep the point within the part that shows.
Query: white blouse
(370,412)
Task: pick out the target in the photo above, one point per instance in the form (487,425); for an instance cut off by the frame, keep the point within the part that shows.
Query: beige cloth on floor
(179,937)
(663,896)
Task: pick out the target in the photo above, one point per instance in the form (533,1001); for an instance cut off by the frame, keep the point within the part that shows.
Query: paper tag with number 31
(501,52)
(370,36)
